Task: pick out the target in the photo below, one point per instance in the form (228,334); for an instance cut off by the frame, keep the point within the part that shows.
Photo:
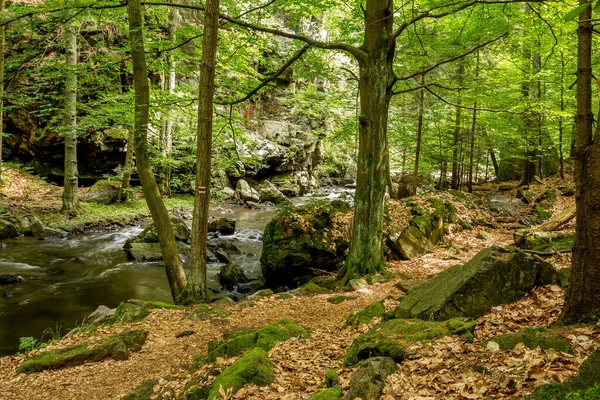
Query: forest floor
(449,368)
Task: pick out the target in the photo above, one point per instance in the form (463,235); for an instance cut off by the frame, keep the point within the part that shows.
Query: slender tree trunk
(471,153)
(415,182)
(171,85)
(376,79)
(457,132)
(162,222)
(69,199)
(197,289)
(2,42)
(127,166)
(494,162)
(560,117)
(582,303)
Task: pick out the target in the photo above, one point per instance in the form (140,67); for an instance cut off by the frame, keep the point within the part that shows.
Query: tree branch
(412,89)
(449,60)
(470,108)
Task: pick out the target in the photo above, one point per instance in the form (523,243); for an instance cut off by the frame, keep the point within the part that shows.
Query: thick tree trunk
(196,290)
(162,222)
(376,78)
(69,199)
(2,42)
(457,133)
(582,303)
(127,166)
(415,182)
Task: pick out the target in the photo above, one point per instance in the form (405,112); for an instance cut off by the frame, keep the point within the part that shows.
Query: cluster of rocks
(28,225)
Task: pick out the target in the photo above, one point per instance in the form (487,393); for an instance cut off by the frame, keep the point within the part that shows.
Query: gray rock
(101,314)
(7,229)
(227,193)
(145,246)
(224,225)
(246,192)
(231,275)
(104,192)
(492,277)
(485,236)
(222,256)
(268,192)
(37,227)
(9,279)
(151,251)
(411,243)
(368,381)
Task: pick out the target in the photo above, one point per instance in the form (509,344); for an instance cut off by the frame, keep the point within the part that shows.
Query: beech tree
(69,199)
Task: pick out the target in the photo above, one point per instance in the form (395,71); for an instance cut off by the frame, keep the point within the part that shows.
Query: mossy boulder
(298,242)
(253,367)
(542,208)
(587,380)
(494,276)
(134,310)
(410,243)
(8,229)
(231,275)
(328,394)
(340,299)
(375,310)
(116,347)
(104,191)
(309,288)
(532,239)
(391,338)
(145,246)
(331,379)
(207,312)
(265,338)
(143,391)
(369,380)
(532,338)
(225,226)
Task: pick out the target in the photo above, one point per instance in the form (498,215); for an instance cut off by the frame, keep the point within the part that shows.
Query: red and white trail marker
(201,189)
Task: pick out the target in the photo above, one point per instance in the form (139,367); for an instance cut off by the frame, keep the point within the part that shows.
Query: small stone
(484,236)
(493,347)
(358,284)
(184,334)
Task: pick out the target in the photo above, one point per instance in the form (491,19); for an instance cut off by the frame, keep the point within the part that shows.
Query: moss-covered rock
(298,240)
(145,246)
(7,229)
(261,294)
(328,394)
(143,391)
(542,209)
(265,338)
(340,299)
(587,380)
(532,338)
(207,312)
(492,277)
(310,288)
(253,367)
(391,338)
(134,310)
(564,276)
(370,378)
(104,191)
(375,310)
(411,243)
(116,347)
(331,379)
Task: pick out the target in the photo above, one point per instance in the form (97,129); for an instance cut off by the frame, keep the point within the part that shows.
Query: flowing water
(65,279)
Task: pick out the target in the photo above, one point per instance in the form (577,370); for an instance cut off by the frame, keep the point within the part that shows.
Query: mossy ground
(375,310)
(391,338)
(264,338)
(253,367)
(134,310)
(328,394)
(533,338)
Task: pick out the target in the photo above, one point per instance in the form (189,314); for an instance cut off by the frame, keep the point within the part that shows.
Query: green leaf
(576,11)
(597,6)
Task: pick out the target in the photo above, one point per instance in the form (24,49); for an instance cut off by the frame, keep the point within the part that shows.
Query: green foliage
(28,343)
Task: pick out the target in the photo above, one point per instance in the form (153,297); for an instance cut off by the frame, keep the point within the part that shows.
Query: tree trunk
(69,199)
(2,41)
(494,162)
(419,137)
(127,166)
(388,174)
(457,132)
(473,126)
(560,117)
(171,85)
(196,290)
(376,79)
(582,303)
(162,222)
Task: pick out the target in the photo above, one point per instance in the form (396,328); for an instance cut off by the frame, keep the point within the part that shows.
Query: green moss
(391,338)
(340,299)
(559,243)
(311,288)
(143,391)
(423,224)
(265,338)
(284,296)
(532,338)
(331,379)
(375,310)
(328,394)
(135,310)
(116,347)
(592,393)
(206,312)
(253,367)
(564,277)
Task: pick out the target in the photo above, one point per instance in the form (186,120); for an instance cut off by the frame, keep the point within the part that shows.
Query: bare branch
(470,108)
(349,71)
(412,89)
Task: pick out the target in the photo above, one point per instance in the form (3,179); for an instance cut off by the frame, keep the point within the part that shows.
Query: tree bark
(69,199)
(582,303)
(559,221)
(376,78)
(457,132)
(127,166)
(2,42)
(196,290)
(162,222)
(415,182)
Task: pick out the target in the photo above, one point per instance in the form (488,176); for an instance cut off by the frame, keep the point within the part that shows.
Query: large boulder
(300,243)
(246,192)
(368,381)
(269,192)
(410,243)
(104,192)
(494,276)
(225,226)
(231,275)
(7,229)
(146,247)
